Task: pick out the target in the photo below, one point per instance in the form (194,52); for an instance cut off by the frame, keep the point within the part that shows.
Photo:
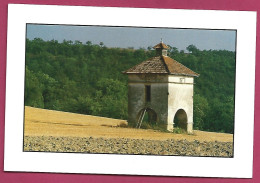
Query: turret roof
(161,45)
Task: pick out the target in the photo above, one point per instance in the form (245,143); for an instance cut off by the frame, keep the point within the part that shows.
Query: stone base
(169,127)
(190,128)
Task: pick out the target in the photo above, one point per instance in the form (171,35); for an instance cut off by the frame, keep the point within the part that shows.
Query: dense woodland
(87,78)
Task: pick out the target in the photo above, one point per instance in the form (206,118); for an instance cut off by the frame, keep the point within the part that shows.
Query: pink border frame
(242,5)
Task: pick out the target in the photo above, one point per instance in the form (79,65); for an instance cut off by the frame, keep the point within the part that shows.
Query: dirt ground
(41,122)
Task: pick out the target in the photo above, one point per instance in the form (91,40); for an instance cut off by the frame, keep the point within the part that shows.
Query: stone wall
(136,96)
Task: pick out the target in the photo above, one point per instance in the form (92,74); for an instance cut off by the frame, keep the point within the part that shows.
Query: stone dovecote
(161,88)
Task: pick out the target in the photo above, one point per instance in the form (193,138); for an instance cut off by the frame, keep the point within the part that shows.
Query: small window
(147,93)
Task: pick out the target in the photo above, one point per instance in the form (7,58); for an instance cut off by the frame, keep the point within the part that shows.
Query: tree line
(87,78)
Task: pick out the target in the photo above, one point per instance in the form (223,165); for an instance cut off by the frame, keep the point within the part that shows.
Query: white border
(240,166)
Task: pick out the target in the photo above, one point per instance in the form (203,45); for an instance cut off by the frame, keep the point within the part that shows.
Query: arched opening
(146,115)
(180,119)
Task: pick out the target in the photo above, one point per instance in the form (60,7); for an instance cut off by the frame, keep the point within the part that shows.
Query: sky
(137,37)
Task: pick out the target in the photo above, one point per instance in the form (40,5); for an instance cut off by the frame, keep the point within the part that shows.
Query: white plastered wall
(180,97)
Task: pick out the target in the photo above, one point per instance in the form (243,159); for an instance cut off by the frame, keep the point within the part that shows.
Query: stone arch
(180,119)
(150,115)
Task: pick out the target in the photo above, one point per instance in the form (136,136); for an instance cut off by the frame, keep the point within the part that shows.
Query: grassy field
(41,122)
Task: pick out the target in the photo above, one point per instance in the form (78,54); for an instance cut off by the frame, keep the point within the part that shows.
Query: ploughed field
(55,131)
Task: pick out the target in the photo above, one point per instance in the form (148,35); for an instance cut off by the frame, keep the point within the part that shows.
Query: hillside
(55,131)
(42,122)
(87,79)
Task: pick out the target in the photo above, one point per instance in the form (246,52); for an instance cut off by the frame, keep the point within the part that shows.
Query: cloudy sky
(136,37)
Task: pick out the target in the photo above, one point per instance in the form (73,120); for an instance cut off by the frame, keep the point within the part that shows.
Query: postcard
(137,91)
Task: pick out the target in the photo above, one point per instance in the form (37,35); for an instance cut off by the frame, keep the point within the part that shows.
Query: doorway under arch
(180,119)
(147,115)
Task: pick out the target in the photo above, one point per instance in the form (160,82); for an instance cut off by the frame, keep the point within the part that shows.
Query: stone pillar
(170,127)
(190,128)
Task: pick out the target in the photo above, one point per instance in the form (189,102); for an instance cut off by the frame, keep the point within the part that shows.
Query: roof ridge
(165,64)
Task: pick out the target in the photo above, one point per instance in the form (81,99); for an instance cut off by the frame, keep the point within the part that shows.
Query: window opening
(148,93)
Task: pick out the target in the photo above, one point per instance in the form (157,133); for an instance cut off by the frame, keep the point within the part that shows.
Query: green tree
(112,96)
(201,108)
(33,90)
(192,49)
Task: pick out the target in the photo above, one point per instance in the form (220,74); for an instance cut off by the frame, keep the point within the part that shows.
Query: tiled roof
(161,65)
(161,45)
(152,65)
(177,68)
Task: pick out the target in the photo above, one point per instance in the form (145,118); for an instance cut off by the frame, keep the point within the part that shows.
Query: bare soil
(56,131)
